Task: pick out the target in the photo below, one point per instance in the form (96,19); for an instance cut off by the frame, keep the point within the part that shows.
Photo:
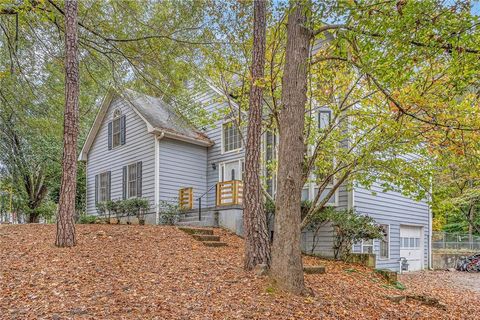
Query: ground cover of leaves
(153,272)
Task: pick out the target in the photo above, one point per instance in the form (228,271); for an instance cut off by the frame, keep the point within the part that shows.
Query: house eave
(181,137)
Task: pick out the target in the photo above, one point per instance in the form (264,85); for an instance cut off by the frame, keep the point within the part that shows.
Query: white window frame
(324,110)
(241,165)
(105,174)
(128,180)
(380,243)
(264,161)
(368,246)
(116,117)
(222,136)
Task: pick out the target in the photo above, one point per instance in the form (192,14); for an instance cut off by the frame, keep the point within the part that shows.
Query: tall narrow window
(132,180)
(116,129)
(385,242)
(231,137)
(324,118)
(103,187)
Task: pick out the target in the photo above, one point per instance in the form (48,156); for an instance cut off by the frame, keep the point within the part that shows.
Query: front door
(231,171)
(411,246)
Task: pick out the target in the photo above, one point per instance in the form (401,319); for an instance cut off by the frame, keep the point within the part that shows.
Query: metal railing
(455,241)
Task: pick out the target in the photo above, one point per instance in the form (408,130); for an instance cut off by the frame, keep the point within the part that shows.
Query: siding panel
(139,147)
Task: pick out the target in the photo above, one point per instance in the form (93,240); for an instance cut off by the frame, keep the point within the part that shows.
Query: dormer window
(116,130)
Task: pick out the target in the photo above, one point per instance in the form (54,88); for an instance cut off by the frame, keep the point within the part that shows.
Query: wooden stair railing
(229,193)
(185,198)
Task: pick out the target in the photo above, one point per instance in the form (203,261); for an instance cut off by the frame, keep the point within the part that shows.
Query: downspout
(157,176)
(430,225)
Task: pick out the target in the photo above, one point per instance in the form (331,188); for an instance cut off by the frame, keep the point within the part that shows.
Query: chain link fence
(455,241)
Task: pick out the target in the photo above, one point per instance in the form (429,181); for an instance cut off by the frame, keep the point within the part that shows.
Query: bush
(349,227)
(169,213)
(124,208)
(87,219)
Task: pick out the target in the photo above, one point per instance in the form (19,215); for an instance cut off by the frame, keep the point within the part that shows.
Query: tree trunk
(287,266)
(257,244)
(66,204)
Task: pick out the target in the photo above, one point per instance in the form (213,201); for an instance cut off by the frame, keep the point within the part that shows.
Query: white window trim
(222,164)
(222,150)
(389,244)
(368,245)
(128,182)
(119,125)
(323,110)
(100,185)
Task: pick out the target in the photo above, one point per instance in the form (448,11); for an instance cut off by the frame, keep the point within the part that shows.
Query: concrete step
(196,223)
(196,231)
(188,219)
(195,215)
(214,243)
(206,237)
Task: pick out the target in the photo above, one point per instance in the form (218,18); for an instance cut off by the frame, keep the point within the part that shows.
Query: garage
(411,246)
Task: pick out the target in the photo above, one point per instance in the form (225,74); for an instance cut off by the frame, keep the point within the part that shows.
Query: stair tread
(206,237)
(214,243)
(198,231)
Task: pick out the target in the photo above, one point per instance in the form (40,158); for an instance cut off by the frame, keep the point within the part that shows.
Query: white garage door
(411,246)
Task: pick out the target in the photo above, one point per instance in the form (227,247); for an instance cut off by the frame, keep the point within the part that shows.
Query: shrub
(349,227)
(169,213)
(135,207)
(87,219)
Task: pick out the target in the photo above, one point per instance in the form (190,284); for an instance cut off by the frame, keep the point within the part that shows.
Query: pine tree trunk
(287,266)
(257,244)
(66,204)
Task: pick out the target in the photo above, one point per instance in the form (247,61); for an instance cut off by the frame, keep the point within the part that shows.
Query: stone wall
(446,259)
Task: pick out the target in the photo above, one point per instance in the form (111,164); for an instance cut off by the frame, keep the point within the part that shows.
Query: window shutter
(109,185)
(123,129)
(124,183)
(139,179)
(96,189)
(110,135)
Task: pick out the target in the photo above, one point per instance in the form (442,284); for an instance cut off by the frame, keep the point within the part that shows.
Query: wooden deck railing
(229,193)
(185,198)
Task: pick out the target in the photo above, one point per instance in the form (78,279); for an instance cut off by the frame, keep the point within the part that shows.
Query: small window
(384,242)
(116,129)
(132,180)
(103,187)
(324,118)
(231,137)
(367,246)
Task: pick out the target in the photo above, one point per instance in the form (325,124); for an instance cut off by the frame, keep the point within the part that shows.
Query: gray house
(140,147)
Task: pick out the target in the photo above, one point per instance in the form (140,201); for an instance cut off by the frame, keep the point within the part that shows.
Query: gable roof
(159,117)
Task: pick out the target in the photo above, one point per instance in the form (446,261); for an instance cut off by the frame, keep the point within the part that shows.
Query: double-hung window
(231,137)
(103,188)
(132,180)
(116,129)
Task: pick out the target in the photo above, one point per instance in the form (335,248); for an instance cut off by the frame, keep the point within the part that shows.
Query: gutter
(182,137)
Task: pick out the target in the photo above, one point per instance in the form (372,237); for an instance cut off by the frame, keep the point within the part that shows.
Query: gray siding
(210,101)
(394,209)
(181,165)
(139,146)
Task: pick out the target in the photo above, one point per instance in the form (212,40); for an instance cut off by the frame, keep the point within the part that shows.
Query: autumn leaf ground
(152,272)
